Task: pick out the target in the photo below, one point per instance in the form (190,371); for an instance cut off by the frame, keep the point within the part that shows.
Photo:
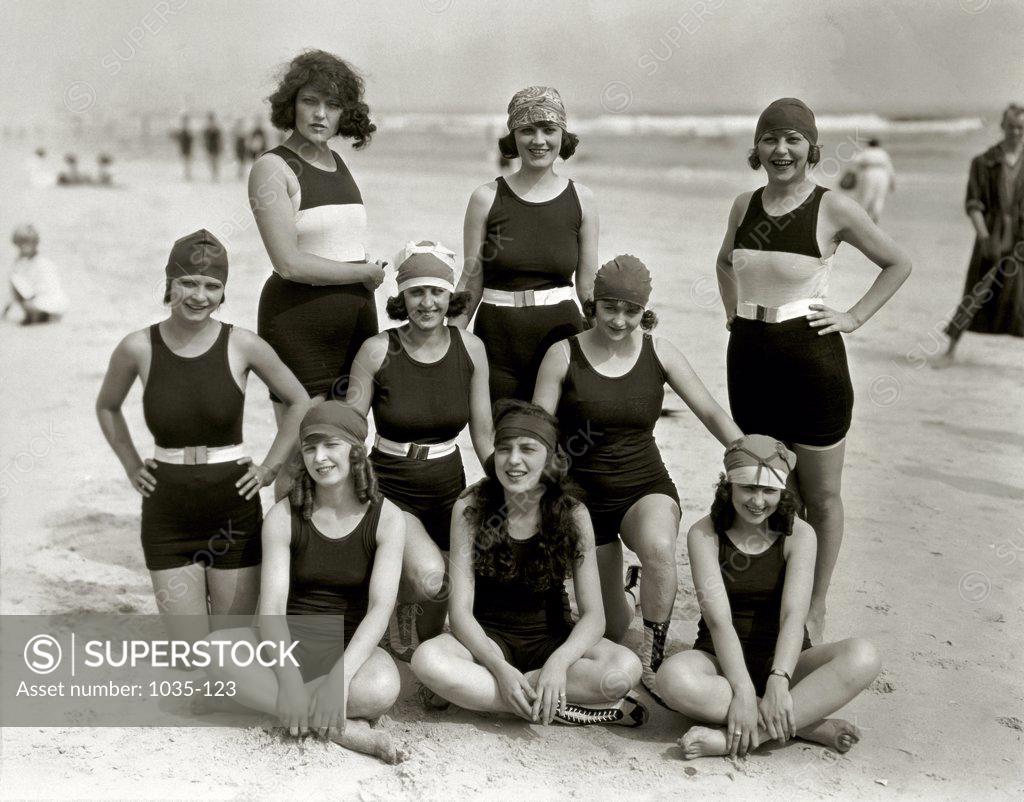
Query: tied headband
(334,419)
(759,460)
(536,104)
(520,425)
(425,264)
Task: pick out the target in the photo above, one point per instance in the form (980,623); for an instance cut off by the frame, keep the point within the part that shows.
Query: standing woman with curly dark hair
(773,273)
(333,548)
(317,307)
(516,535)
(425,381)
(753,668)
(527,238)
(607,385)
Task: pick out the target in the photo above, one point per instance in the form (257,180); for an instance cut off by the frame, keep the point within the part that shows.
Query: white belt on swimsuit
(414,450)
(775,314)
(199,455)
(527,297)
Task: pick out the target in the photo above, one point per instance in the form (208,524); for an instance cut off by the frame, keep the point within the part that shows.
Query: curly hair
(648,320)
(334,77)
(304,488)
(723,514)
(395,306)
(507,145)
(813,157)
(487,515)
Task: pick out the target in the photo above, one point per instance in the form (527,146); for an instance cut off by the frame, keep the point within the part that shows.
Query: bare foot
(703,742)
(942,362)
(816,624)
(359,737)
(835,733)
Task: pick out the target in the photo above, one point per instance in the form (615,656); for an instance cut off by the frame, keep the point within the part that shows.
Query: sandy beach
(934,484)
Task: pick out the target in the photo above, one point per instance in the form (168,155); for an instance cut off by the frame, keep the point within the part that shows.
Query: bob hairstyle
(304,488)
(396,310)
(334,77)
(723,514)
(167,294)
(487,515)
(813,157)
(507,145)
(647,321)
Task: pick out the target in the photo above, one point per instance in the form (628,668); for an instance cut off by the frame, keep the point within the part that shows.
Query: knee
(824,499)
(678,683)
(657,548)
(625,666)
(428,661)
(861,661)
(379,688)
(427,581)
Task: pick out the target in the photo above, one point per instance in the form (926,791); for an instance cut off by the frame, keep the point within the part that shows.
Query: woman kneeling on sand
(753,567)
(333,548)
(516,535)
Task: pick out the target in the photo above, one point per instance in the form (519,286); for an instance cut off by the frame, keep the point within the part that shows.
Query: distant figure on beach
(213,143)
(36,295)
(184,137)
(70,176)
(240,139)
(773,273)
(530,247)
(257,142)
(104,170)
(993,298)
(317,307)
(40,171)
(201,512)
(752,672)
(875,178)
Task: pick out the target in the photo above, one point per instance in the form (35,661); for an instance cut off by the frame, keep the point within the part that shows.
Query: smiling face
(519,463)
(193,298)
(538,144)
(327,459)
(616,319)
(426,306)
(783,154)
(755,503)
(317,115)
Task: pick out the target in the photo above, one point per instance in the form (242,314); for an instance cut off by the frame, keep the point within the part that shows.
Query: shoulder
(135,345)
(467,496)
(375,348)
(585,194)
(665,349)
(702,531)
(278,522)
(742,201)
(268,167)
(391,517)
(841,207)
(474,345)
(483,194)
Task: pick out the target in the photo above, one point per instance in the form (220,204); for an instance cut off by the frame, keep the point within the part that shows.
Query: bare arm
(589,629)
(481,426)
(121,374)
(474,235)
(387,570)
(548,390)
(799,549)
(368,361)
(724,267)
(689,387)
(590,229)
(272,208)
(702,543)
(275,578)
(854,226)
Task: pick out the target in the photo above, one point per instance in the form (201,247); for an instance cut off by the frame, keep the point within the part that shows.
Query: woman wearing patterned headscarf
(773,273)
(530,243)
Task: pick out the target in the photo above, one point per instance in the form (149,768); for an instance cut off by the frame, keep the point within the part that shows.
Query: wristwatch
(778,672)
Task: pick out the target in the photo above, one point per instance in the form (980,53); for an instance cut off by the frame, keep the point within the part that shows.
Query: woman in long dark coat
(993,300)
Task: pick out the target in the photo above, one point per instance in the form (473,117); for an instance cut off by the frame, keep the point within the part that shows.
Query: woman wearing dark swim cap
(752,667)
(530,247)
(607,386)
(201,512)
(773,273)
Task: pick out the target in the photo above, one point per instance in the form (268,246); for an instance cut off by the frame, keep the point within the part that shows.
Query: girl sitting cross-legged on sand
(516,535)
(752,672)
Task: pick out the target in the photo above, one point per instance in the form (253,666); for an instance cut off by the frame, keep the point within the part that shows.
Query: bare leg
(233,592)
(827,677)
(819,474)
(181,599)
(618,607)
(423,573)
(372,692)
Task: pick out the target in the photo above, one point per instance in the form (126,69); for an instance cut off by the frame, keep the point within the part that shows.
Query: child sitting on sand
(752,667)
(35,288)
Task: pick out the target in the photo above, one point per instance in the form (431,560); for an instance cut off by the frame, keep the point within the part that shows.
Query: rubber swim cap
(536,104)
(790,114)
(198,253)
(624,278)
(426,264)
(757,459)
(334,419)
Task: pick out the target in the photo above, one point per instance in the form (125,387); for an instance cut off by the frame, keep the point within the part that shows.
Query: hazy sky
(896,57)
